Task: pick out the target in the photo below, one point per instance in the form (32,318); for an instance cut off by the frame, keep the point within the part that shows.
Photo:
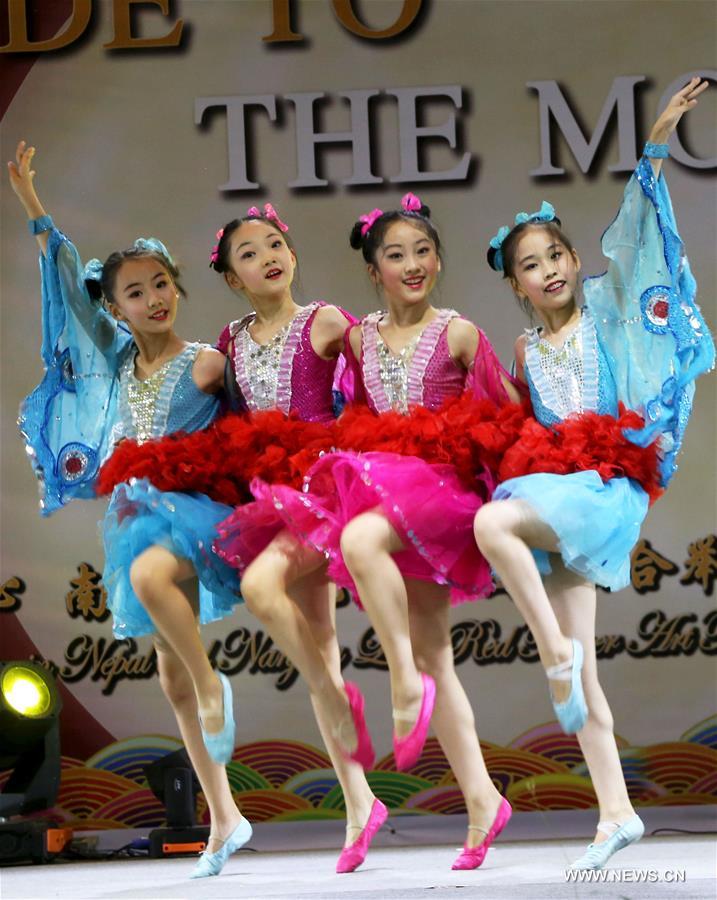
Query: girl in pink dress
(395,528)
(282,361)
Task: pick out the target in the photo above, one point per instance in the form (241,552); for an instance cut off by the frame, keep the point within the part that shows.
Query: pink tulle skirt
(429,507)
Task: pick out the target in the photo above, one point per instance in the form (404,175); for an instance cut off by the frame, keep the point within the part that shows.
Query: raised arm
(71,317)
(644,308)
(667,120)
(68,420)
(22,180)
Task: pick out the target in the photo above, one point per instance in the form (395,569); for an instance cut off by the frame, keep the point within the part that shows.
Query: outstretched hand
(21,179)
(679,104)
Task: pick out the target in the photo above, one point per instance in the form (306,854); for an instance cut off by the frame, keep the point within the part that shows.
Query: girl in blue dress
(118,371)
(638,341)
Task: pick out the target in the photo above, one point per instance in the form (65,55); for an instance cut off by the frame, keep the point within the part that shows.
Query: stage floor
(411,860)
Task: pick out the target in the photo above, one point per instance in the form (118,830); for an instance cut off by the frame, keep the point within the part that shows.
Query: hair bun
(424,211)
(356,237)
(490,256)
(94,289)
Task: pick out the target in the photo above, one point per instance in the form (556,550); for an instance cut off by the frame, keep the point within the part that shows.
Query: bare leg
(264,587)
(453,719)
(505,531)
(574,602)
(316,598)
(177,685)
(156,576)
(367,543)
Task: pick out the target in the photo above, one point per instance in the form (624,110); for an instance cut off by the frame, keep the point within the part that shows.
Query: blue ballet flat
(597,855)
(573,713)
(212,863)
(220,745)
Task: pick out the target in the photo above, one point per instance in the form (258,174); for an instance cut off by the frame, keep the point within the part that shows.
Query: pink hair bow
(214,255)
(269,213)
(368,220)
(411,203)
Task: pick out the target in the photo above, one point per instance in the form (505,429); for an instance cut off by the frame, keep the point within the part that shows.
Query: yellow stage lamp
(25,691)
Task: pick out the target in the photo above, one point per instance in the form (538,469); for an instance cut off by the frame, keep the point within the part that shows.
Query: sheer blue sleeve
(649,325)
(67,421)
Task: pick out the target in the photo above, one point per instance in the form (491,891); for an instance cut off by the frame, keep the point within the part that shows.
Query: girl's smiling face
(406,264)
(262,263)
(545,271)
(145,296)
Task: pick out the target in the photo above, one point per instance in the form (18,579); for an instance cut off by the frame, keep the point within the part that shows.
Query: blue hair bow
(93,271)
(546,213)
(153,245)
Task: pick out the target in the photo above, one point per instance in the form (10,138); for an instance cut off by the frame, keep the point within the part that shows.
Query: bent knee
(491,522)
(258,588)
(148,574)
(362,541)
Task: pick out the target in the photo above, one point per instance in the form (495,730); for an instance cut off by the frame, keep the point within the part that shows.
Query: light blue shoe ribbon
(597,855)
(212,863)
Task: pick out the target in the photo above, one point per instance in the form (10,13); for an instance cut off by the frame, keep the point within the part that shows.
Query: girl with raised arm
(282,362)
(117,371)
(612,382)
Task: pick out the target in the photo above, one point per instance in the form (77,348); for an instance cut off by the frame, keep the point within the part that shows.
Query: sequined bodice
(286,373)
(261,363)
(167,401)
(422,374)
(574,378)
(393,369)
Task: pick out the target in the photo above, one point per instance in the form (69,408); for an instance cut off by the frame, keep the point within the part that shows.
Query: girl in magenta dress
(282,362)
(390,524)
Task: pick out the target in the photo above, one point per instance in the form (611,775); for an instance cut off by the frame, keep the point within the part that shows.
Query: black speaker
(172,780)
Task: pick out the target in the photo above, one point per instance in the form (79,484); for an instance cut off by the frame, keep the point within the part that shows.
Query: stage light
(25,691)
(174,783)
(30,706)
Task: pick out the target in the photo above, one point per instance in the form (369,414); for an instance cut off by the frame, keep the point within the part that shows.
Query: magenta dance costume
(285,374)
(430,507)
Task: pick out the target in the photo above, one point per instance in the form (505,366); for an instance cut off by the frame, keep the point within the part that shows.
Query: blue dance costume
(88,400)
(641,342)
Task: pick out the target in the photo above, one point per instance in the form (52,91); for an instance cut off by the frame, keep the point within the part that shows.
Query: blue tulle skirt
(138,517)
(597,522)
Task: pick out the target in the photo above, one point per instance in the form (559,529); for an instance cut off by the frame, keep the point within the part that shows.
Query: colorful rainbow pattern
(286,780)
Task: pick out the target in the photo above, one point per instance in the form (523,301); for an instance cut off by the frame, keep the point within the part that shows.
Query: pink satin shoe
(351,857)
(472,857)
(407,750)
(364,752)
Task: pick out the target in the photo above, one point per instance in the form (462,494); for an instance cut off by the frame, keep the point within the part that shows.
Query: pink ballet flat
(406,750)
(364,752)
(472,857)
(352,857)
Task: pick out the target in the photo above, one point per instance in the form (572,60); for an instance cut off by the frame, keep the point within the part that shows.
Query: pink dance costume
(285,403)
(285,374)
(427,503)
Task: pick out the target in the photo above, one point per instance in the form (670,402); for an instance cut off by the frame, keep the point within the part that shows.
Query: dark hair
(105,287)
(222,263)
(510,244)
(509,248)
(369,243)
